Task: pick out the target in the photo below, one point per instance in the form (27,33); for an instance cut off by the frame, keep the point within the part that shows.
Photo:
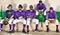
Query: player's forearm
(44,10)
(29,17)
(5,18)
(11,17)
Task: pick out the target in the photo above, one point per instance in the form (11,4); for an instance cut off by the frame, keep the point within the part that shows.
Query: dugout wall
(2,15)
(53,3)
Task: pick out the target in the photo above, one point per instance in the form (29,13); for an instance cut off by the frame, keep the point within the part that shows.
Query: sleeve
(6,14)
(55,14)
(44,8)
(47,15)
(37,7)
(35,14)
(27,12)
(13,13)
(24,14)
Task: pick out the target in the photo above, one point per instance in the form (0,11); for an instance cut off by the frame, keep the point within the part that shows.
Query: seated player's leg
(1,24)
(14,23)
(35,21)
(28,22)
(10,23)
(57,24)
(21,20)
(24,25)
(46,22)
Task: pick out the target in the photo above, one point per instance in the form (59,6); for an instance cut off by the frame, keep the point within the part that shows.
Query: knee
(1,21)
(57,22)
(36,21)
(28,21)
(46,22)
(24,22)
(15,21)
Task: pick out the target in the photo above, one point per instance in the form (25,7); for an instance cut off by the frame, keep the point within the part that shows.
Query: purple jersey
(51,15)
(9,13)
(19,14)
(31,13)
(38,7)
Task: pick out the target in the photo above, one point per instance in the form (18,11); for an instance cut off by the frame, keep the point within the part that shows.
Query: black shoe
(23,31)
(12,31)
(57,30)
(9,31)
(37,30)
(27,31)
(47,30)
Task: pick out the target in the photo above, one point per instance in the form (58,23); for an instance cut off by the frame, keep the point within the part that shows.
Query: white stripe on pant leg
(35,21)
(57,23)
(10,21)
(28,21)
(46,22)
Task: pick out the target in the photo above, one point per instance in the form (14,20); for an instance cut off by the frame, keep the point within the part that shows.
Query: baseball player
(10,16)
(20,17)
(51,16)
(41,9)
(31,17)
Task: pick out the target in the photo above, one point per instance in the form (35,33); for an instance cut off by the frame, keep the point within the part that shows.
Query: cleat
(27,31)
(36,29)
(12,31)
(47,30)
(57,30)
(23,31)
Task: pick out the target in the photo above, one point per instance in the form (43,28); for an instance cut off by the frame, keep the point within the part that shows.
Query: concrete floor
(31,33)
(51,26)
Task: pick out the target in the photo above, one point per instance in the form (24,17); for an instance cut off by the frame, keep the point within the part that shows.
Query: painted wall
(53,3)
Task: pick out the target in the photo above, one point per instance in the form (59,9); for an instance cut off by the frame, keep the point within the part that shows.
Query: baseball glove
(5,22)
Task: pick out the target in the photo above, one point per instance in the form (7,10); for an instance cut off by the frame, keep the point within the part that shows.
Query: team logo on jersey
(9,12)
